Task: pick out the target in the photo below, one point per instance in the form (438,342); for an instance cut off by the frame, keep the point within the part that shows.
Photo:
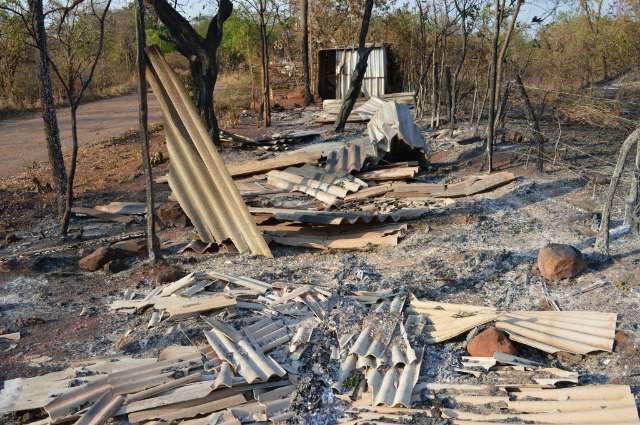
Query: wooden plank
(389,174)
(248,168)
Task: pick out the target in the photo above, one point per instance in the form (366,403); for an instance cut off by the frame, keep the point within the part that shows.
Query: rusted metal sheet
(198,176)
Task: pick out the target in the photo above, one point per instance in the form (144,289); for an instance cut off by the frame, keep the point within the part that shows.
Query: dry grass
(231,96)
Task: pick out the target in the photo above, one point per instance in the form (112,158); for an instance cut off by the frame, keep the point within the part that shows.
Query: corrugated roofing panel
(340,217)
(373,83)
(248,361)
(591,404)
(198,176)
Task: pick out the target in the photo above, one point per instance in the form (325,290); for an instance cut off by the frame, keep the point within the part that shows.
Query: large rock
(559,261)
(490,341)
(171,215)
(132,247)
(98,258)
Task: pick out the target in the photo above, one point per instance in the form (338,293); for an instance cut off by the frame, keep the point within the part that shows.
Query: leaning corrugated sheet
(592,404)
(393,121)
(198,176)
(578,332)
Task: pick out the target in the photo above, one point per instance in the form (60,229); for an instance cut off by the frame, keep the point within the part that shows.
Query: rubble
(490,341)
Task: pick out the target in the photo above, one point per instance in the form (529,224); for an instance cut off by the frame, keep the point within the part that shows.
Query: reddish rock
(171,215)
(490,341)
(132,247)
(97,259)
(623,343)
(165,273)
(558,261)
(10,238)
(115,266)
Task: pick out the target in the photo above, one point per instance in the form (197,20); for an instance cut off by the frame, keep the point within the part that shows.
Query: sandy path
(22,138)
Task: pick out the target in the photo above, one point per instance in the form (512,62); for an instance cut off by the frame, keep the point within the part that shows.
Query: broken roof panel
(340,217)
(198,176)
(578,332)
(249,362)
(592,404)
(393,121)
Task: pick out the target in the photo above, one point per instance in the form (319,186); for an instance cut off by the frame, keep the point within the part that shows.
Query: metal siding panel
(374,76)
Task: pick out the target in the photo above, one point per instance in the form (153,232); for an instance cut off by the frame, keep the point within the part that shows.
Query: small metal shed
(336,67)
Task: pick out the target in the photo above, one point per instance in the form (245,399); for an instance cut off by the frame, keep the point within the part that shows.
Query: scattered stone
(559,261)
(115,266)
(98,258)
(171,215)
(489,341)
(164,273)
(8,265)
(10,238)
(623,343)
(132,247)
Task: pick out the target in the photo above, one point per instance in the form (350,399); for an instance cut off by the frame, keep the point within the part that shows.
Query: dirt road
(22,138)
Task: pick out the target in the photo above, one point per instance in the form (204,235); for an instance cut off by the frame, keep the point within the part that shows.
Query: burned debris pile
(261,340)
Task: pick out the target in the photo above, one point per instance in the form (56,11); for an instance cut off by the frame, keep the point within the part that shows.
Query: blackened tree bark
(632,208)
(264,45)
(75,70)
(153,246)
(358,73)
(51,131)
(492,90)
(532,120)
(201,53)
(308,97)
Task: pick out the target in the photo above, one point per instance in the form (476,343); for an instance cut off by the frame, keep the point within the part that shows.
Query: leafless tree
(308,97)
(358,73)
(75,70)
(33,16)
(602,240)
(153,247)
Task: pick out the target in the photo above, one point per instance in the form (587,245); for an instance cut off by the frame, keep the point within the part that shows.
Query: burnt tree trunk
(602,240)
(492,91)
(435,84)
(153,246)
(308,97)
(532,120)
(266,101)
(49,117)
(201,53)
(358,73)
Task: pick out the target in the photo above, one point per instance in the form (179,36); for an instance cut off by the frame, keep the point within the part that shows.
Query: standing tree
(602,240)
(33,16)
(358,73)
(308,97)
(493,73)
(264,13)
(153,247)
(201,53)
(75,48)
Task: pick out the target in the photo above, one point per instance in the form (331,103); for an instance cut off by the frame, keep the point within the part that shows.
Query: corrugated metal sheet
(339,217)
(552,331)
(393,121)
(248,361)
(591,404)
(578,332)
(373,83)
(198,176)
